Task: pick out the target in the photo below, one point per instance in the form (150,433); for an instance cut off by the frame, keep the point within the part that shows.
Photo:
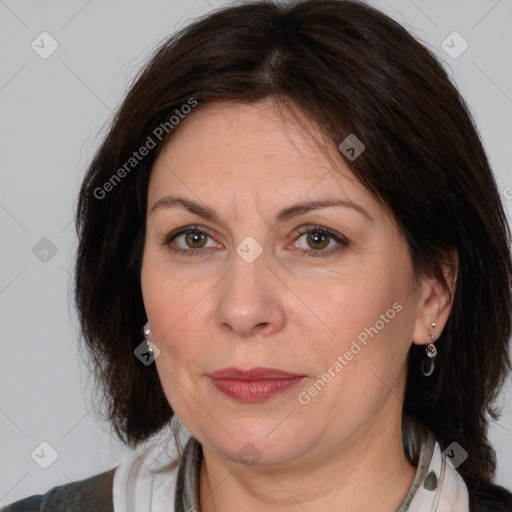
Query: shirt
(151,481)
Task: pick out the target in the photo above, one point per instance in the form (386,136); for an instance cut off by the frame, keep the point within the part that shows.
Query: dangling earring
(427,365)
(147,333)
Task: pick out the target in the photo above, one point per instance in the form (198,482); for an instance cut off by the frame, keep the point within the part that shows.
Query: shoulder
(487,497)
(93,493)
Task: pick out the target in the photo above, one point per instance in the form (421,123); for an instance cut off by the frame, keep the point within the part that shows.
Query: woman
(293,205)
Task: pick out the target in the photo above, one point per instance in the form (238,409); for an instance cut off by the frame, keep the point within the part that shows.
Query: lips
(257,373)
(255,384)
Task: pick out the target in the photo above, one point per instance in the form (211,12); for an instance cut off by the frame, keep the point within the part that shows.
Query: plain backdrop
(51,112)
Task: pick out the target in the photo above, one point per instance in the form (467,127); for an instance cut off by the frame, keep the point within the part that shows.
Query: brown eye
(319,238)
(190,241)
(195,239)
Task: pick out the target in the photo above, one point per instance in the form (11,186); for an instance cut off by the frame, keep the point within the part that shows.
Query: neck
(370,473)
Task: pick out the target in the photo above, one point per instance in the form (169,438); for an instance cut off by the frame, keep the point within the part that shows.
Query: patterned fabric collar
(437,487)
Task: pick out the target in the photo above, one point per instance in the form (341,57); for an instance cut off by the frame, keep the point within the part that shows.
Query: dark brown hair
(352,70)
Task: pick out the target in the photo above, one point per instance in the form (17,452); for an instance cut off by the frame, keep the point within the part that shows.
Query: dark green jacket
(93,494)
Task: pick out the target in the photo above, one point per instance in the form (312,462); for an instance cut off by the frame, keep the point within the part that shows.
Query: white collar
(450,494)
(145,480)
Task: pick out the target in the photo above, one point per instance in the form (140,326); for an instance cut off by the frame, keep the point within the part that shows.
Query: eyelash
(313,254)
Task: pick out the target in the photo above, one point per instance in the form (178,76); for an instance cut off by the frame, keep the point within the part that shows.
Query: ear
(434,301)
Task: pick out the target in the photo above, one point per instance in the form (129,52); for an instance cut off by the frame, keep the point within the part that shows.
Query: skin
(284,310)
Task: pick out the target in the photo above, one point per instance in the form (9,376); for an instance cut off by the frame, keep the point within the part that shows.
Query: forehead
(225,149)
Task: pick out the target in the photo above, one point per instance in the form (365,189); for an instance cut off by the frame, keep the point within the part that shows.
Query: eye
(319,238)
(191,238)
(192,241)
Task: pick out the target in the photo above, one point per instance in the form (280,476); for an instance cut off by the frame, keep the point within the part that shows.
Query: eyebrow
(283,215)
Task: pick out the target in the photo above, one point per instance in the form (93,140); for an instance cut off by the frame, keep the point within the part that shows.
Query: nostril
(261,328)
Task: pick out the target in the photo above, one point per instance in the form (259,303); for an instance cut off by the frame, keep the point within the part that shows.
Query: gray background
(52,111)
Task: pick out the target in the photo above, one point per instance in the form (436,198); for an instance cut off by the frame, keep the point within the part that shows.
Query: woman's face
(243,285)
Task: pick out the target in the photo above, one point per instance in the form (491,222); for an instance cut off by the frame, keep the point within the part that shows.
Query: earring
(147,333)
(427,365)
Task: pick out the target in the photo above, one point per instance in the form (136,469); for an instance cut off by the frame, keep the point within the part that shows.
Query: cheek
(168,294)
(176,311)
(361,309)
(369,340)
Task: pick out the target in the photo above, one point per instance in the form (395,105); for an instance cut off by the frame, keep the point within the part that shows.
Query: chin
(258,441)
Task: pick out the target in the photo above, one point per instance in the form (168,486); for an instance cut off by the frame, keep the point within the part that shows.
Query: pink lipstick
(255,384)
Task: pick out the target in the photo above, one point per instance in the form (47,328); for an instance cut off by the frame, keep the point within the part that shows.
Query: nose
(251,299)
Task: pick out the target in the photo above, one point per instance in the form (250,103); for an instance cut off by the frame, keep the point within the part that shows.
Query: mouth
(255,384)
